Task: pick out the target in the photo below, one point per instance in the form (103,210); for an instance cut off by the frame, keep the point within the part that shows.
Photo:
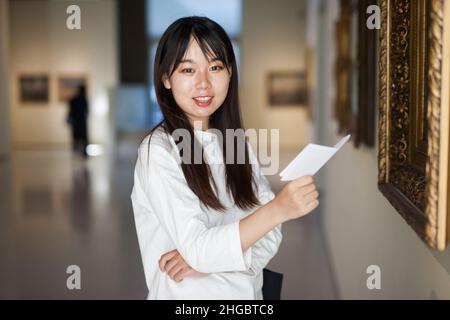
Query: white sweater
(168,215)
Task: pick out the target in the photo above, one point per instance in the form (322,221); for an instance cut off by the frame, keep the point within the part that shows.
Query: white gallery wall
(40,42)
(282,25)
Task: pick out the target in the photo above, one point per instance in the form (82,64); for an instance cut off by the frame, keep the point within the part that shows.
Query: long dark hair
(214,42)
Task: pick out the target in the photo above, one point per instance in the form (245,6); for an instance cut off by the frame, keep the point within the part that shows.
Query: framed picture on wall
(414,118)
(344,68)
(68,85)
(34,88)
(367,76)
(356,72)
(287,88)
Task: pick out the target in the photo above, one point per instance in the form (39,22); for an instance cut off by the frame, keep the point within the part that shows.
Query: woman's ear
(166,82)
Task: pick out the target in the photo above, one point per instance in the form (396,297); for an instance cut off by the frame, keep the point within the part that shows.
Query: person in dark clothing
(77,118)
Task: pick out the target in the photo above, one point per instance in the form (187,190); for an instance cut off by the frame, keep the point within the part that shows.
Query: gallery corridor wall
(361,227)
(43,44)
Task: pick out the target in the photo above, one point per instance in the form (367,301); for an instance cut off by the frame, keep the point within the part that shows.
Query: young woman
(205,231)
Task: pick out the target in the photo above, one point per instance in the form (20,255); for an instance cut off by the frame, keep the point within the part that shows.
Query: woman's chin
(205,111)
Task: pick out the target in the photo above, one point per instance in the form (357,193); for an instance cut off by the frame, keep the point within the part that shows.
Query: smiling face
(199,85)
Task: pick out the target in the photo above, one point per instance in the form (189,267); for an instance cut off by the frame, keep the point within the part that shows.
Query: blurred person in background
(77,119)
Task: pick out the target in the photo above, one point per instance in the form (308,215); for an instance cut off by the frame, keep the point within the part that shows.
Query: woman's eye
(187,70)
(216,68)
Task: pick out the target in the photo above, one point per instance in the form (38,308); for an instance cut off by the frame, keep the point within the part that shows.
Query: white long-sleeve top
(168,215)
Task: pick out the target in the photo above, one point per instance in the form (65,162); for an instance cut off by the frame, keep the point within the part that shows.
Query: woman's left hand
(177,269)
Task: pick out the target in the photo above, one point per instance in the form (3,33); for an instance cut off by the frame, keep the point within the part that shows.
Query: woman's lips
(203,101)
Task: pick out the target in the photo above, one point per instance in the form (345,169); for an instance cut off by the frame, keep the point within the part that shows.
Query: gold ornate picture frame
(414,118)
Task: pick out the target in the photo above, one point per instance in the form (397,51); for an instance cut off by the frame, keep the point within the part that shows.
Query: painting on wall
(287,88)
(34,88)
(356,72)
(68,86)
(367,77)
(343,68)
(414,116)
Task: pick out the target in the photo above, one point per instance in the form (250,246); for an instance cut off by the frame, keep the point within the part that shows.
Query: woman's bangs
(182,45)
(210,43)
(212,47)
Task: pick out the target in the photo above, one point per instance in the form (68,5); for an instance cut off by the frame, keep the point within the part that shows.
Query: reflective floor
(57,210)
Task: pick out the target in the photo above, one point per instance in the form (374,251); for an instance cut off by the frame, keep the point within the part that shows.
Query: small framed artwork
(68,86)
(34,88)
(287,88)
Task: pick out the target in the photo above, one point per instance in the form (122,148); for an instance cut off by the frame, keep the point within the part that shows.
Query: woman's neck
(201,125)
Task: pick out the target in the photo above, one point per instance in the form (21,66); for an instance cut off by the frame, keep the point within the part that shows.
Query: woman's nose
(203,81)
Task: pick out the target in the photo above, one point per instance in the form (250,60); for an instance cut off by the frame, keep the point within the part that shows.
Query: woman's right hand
(297,198)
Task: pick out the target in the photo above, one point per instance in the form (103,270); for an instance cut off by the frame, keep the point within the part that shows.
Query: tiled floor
(57,211)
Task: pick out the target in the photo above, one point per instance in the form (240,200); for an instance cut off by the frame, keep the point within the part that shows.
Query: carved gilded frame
(414,129)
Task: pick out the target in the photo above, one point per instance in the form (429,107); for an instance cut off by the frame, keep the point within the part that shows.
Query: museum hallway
(309,72)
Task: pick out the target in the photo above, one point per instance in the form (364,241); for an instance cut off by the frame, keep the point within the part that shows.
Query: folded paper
(310,160)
